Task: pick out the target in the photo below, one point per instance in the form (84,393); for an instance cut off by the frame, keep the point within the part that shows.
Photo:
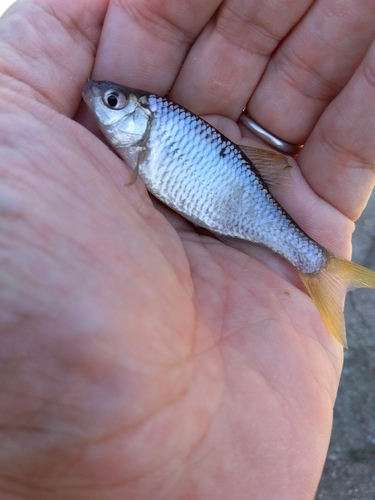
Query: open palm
(139,357)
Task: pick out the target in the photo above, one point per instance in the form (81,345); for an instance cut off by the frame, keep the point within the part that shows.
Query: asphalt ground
(349,472)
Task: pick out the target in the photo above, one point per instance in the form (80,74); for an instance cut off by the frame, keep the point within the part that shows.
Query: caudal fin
(328,288)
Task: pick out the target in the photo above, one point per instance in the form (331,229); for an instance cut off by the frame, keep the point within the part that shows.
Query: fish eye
(114,99)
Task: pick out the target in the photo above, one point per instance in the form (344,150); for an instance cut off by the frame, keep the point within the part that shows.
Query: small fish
(217,185)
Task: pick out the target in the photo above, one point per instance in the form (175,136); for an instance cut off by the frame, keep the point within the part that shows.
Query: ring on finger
(272,140)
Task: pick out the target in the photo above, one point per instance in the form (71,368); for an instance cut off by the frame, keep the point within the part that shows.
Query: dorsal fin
(271,165)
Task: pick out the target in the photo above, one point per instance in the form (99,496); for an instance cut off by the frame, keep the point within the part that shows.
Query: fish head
(123,116)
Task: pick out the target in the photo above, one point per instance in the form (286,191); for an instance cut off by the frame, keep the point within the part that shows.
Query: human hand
(140,359)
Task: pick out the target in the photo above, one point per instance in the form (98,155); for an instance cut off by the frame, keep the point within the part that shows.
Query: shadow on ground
(349,472)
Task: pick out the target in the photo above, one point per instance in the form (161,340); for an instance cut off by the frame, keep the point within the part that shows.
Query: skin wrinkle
(86,32)
(132,428)
(42,231)
(246,70)
(229,25)
(242,285)
(350,147)
(33,26)
(43,99)
(11,106)
(197,464)
(368,70)
(16,490)
(306,415)
(16,480)
(27,55)
(273,401)
(11,206)
(38,283)
(166,30)
(260,19)
(26,270)
(316,88)
(209,421)
(340,149)
(337,53)
(206,245)
(215,340)
(40,23)
(182,460)
(124,232)
(48,401)
(328,389)
(93,441)
(224,300)
(200,442)
(47,407)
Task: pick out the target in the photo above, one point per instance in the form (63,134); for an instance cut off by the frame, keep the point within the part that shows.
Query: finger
(144,43)
(47,49)
(227,61)
(312,66)
(338,159)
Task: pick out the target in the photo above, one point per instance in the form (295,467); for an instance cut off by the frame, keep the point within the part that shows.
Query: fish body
(195,170)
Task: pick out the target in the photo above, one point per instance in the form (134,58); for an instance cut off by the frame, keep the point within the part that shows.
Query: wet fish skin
(202,175)
(194,169)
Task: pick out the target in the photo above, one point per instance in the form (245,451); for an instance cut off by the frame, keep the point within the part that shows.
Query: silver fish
(202,175)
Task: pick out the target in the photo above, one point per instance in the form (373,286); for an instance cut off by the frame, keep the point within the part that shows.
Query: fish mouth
(90,90)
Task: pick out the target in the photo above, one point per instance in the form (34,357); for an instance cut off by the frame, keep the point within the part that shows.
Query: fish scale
(202,175)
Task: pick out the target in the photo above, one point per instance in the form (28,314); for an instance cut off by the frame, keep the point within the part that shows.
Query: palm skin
(139,357)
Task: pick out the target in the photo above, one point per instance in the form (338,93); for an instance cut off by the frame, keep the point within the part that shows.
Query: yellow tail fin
(329,286)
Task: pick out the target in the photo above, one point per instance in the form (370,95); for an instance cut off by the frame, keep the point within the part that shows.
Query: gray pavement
(349,472)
